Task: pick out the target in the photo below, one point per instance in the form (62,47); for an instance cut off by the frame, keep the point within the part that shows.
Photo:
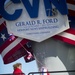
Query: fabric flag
(29,56)
(10,46)
(43,69)
(71,7)
(68,36)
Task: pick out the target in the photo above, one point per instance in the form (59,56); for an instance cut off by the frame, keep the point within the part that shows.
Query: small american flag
(43,69)
(12,37)
(29,56)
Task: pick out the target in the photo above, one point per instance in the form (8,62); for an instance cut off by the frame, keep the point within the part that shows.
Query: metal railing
(32,73)
(71,71)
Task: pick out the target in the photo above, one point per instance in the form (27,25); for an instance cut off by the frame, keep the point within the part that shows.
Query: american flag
(10,50)
(43,69)
(68,36)
(71,7)
(29,56)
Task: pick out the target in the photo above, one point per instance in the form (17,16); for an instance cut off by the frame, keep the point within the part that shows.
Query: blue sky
(26,67)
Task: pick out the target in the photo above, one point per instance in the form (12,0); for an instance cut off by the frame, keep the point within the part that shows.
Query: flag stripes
(71,7)
(10,50)
(68,36)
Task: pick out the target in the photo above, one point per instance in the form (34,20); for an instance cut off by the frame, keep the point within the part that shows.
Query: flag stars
(3,37)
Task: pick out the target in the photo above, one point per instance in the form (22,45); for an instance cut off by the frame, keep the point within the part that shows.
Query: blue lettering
(7,16)
(28,23)
(33,9)
(48,7)
(38,22)
(20,24)
(47,21)
(61,6)
(33,22)
(55,20)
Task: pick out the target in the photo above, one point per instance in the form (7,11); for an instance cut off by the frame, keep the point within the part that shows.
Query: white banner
(36,29)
